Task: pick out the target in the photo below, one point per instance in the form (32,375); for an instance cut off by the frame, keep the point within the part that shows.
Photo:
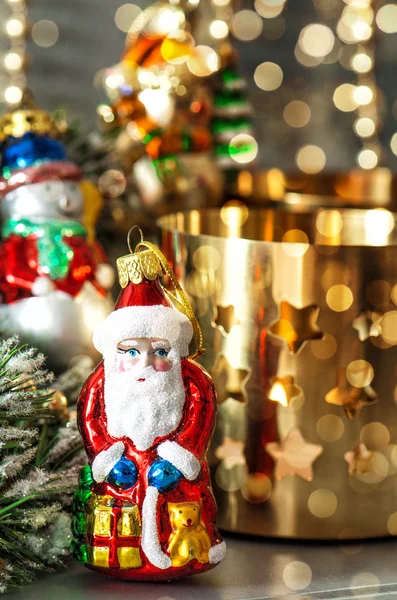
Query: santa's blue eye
(161,352)
(133,352)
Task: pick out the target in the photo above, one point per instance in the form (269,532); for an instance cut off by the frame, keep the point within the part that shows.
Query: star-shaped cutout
(360,460)
(366,326)
(294,456)
(297,325)
(224,319)
(284,390)
(351,398)
(231,453)
(229,381)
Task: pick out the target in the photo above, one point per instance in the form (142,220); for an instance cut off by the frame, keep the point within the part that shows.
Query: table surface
(254,569)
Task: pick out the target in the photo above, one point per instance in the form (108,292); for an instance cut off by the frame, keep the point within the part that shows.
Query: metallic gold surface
(21,121)
(100,556)
(100,521)
(134,267)
(333,398)
(189,538)
(129,523)
(129,558)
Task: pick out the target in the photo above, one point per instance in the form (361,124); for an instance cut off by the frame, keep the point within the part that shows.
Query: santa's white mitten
(181,458)
(104,462)
(42,286)
(104,275)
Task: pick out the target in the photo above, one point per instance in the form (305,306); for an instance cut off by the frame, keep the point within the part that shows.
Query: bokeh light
(125,16)
(364,127)
(268,76)
(344,97)
(45,33)
(246,25)
(243,148)
(219,29)
(310,159)
(203,61)
(367,159)
(386,18)
(13,94)
(297,114)
(316,40)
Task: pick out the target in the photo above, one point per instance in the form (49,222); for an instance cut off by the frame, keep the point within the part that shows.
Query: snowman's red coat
(19,267)
(193,433)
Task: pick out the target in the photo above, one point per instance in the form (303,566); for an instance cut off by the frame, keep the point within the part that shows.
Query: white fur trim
(150,537)
(42,286)
(181,458)
(105,461)
(217,553)
(144,322)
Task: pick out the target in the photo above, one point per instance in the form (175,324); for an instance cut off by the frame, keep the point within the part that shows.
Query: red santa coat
(19,267)
(194,433)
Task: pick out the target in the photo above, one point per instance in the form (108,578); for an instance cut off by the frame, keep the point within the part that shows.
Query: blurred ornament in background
(54,277)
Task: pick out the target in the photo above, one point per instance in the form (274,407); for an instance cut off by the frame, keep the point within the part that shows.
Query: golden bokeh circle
(206,259)
(257,488)
(360,373)
(297,114)
(322,503)
(367,159)
(125,16)
(231,480)
(386,18)
(316,40)
(234,213)
(246,25)
(311,159)
(344,98)
(268,76)
(295,242)
(203,61)
(392,524)
(389,327)
(365,127)
(330,428)
(378,470)
(297,575)
(324,348)
(339,298)
(375,435)
(329,223)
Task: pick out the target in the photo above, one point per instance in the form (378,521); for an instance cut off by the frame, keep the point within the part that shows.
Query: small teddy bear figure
(189,538)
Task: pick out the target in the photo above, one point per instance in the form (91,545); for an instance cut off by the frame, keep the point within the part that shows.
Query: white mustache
(142,373)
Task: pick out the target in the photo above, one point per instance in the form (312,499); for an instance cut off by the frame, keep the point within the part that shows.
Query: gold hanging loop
(180,298)
(129,236)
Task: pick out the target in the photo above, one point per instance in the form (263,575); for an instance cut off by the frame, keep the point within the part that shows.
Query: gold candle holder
(299,316)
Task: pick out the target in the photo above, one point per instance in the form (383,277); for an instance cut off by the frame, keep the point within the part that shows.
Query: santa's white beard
(144,410)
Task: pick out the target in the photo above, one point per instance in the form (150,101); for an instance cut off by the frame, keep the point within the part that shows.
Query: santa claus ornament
(145,509)
(54,277)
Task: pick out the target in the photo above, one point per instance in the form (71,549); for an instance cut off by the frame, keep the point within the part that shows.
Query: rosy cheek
(125,364)
(162,364)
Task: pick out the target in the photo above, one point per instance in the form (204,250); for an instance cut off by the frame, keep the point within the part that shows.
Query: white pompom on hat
(143,311)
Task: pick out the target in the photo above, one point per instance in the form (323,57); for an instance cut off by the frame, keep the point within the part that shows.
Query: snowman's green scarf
(55,255)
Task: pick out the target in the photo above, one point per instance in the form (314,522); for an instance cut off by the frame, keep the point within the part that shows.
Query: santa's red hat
(142,311)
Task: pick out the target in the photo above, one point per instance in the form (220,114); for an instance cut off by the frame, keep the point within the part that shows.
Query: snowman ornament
(54,279)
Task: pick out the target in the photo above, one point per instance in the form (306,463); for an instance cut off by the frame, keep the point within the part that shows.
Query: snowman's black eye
(180,512)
